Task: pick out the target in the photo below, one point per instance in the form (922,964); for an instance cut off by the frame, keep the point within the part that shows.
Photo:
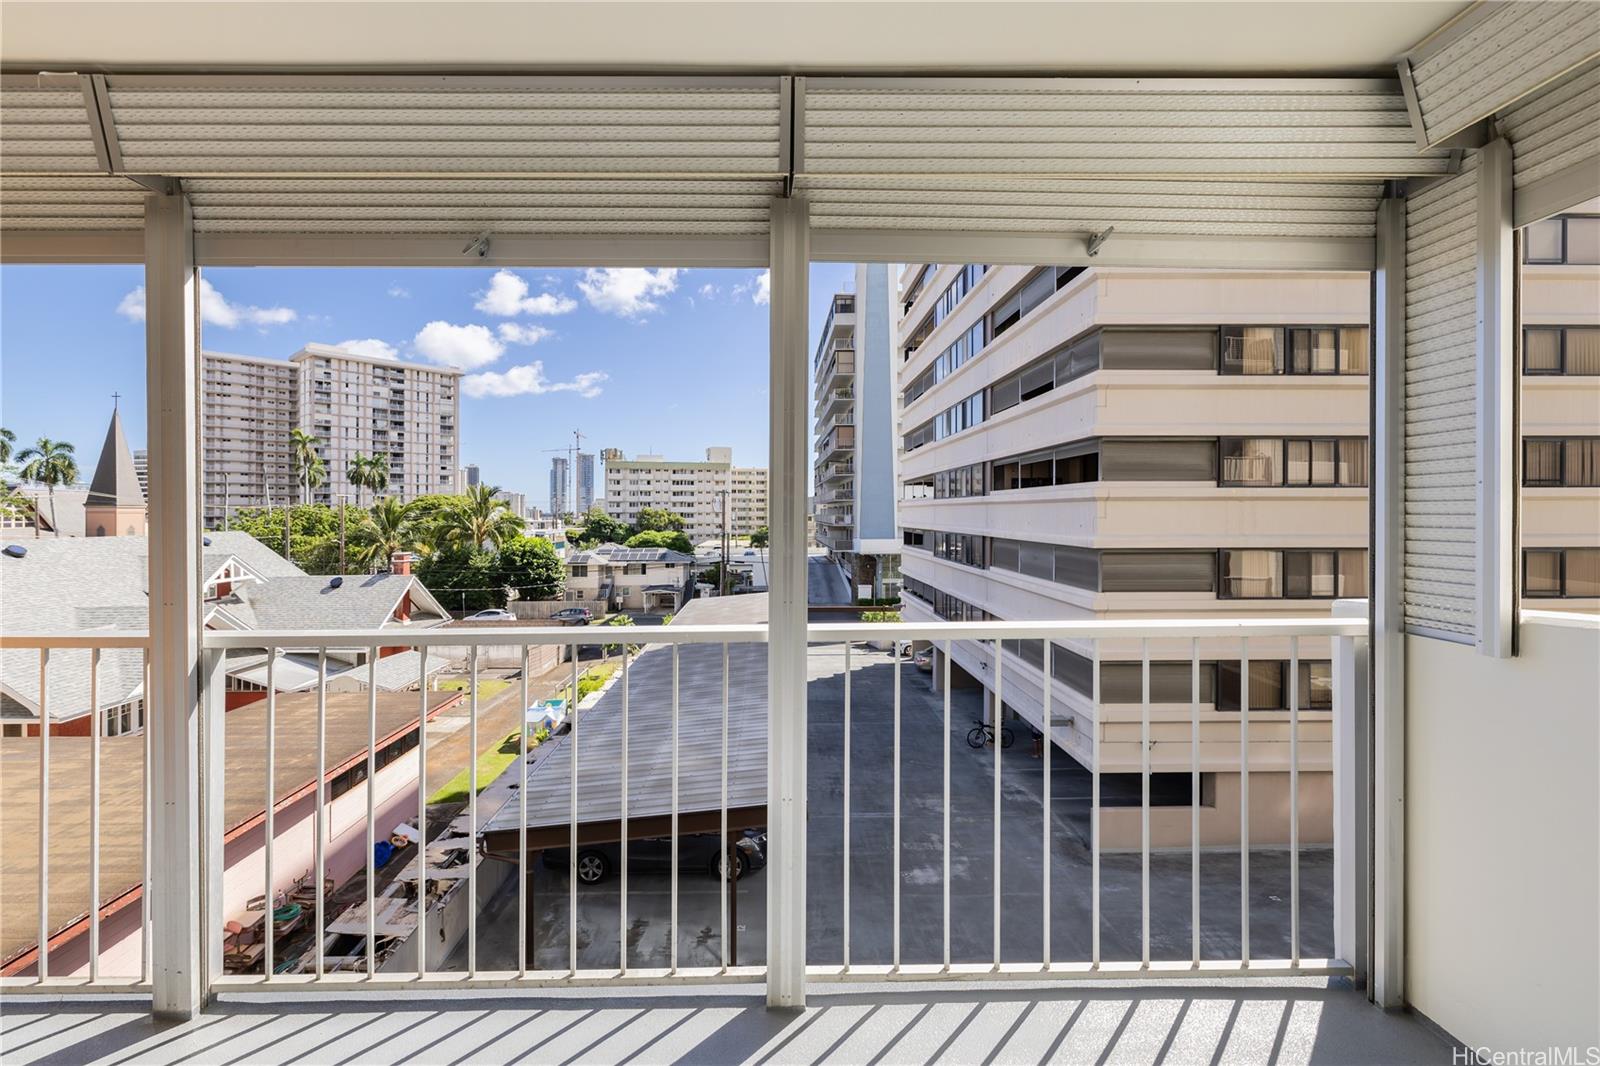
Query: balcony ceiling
(776,37)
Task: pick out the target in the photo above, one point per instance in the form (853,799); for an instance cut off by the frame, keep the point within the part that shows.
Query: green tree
(655,538)
(529,568)
(476,519)
(310,470)
(52,463)
(600,528)
(313,533)
(8,444)
(368,472)
(760,537)
(655,518)
(385,529)
(462,577)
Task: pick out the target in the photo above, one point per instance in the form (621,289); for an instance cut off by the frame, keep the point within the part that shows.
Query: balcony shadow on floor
(1302,1020)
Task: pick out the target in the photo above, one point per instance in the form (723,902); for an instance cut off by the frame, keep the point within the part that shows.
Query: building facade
(854,403)
(691,489)
(559,477)
(405,412)
(585,489)
(1097,444)
(1560,519)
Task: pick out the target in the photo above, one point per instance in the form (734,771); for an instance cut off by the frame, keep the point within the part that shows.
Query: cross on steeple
(115,398)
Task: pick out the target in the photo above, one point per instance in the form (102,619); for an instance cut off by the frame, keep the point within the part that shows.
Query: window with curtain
(1252,461)
(1252,574)
(1252,350)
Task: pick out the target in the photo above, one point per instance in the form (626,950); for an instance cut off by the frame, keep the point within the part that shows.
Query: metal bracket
(156,183)
(1098,239)
(791,130)
(478,246)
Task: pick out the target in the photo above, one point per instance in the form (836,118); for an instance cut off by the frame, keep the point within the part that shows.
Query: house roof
(298,673)
(306,601)
(116,482)
(612,554)
(69,501)
(122,797)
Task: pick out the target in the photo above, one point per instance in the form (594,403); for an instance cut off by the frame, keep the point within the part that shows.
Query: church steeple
(115,504)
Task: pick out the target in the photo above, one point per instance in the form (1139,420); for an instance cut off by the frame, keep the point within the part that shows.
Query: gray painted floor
(1199,1022)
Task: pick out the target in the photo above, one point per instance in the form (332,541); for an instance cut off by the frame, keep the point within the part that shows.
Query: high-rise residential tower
(560,474)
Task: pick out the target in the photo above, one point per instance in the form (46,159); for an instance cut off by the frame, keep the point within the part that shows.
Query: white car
(493,614)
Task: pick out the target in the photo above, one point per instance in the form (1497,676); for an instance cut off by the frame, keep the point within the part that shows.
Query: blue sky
(646,361)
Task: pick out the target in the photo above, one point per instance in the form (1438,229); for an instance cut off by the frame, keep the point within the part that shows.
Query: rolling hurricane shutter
(1439,579)
(1555,145)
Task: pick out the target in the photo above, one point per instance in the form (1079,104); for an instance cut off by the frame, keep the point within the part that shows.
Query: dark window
(1572,462)
(1573,573)
(1157,571)
(915,538)
(1152,349)
(1034,290)
(1128,459)
(1266,685)
(1572,350)
(1167,789)
(1170,682)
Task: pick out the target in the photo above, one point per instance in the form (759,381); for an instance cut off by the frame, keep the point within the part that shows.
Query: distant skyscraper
(141,466)
(585,482)
(472,475)
(558,485)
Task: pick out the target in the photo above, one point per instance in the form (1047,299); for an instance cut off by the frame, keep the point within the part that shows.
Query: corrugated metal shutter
(1496,54)
(1555,132)
(1440,556)
(1154,156)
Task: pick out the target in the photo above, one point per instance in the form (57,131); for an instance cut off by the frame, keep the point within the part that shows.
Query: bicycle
(983,733)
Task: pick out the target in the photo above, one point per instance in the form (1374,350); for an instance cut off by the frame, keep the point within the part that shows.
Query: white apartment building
(854,403)
(560,503)
(406,411)
(248,406)
(1560,520)
(351,403)
(691,489)
(1093,443)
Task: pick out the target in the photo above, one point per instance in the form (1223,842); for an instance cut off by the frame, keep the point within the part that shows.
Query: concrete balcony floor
(1289,1021)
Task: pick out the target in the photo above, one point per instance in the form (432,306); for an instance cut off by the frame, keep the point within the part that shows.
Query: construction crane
(571,452)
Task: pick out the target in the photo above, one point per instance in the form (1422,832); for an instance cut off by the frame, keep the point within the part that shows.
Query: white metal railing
(362,967)
(57,655)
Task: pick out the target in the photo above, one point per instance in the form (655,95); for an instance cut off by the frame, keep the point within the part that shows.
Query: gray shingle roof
(312,602)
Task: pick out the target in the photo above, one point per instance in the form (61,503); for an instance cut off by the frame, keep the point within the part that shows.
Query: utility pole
(724,567)
(342,497)
(288,511)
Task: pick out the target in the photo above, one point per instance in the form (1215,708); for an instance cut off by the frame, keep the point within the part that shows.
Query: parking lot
(972,864)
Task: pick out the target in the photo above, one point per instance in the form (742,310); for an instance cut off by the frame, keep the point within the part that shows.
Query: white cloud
(708,290)
(132,305)
(508,295)
(467,347)
(399,292)
(627,291)
(215,310)
(372,347)
(763,293)
(517,333)
(529,380)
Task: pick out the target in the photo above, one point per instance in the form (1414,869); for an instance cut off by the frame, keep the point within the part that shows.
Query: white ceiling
(1280,37)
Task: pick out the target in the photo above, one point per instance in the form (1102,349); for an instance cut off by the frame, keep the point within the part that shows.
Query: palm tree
(52,463)
(386,529)
(369,472)
(8,442)
(311,470)
(477,517)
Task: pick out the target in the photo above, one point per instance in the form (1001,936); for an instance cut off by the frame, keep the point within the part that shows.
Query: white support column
(790,478)
(1352,868)
(1384,944)
(172,368)
(213,745)
(1497,381)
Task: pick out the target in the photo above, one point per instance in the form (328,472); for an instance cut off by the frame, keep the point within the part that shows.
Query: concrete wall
(875,407)
(1503,838)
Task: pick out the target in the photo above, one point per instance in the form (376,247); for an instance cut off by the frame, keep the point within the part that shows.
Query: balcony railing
(675,752)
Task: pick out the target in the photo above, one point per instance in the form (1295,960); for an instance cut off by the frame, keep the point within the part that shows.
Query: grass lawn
(487,686)
(491,764)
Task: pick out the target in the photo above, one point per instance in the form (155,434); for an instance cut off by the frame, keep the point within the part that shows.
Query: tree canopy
(656,538)
(600,528)
(760,537)
(530,568)
(656,518)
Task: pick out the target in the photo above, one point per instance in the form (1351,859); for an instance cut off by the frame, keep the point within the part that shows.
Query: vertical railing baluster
(1094,805)
(95,730)
(522,821)
(1294,801)
(422,812)
(372,809)
(1049,742)
(43,949)
(845,901)
(673,947)
(472,818)
(1194,799)
(323,799)
(146,959)
(1244,800)
(729,883)
(572,843)
(895,865)
(1144,802)
(999,723)
(622,847)
(946,669)
(269,820)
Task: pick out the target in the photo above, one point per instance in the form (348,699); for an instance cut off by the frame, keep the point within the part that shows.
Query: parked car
(598,862)
(924,661)
(573,616)
(493,614)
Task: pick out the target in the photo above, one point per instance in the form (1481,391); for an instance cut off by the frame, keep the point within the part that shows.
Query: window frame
(1561,351)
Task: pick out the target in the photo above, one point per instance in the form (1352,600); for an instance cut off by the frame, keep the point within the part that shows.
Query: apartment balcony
(831,472)
(837,442)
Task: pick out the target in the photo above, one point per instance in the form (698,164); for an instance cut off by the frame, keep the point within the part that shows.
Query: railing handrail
(1153,628)
(121,638)
(450,636)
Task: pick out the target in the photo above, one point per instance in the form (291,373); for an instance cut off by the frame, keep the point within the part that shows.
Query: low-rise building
(692,489)
(638,579)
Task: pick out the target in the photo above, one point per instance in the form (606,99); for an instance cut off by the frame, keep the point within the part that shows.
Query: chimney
(400,563)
